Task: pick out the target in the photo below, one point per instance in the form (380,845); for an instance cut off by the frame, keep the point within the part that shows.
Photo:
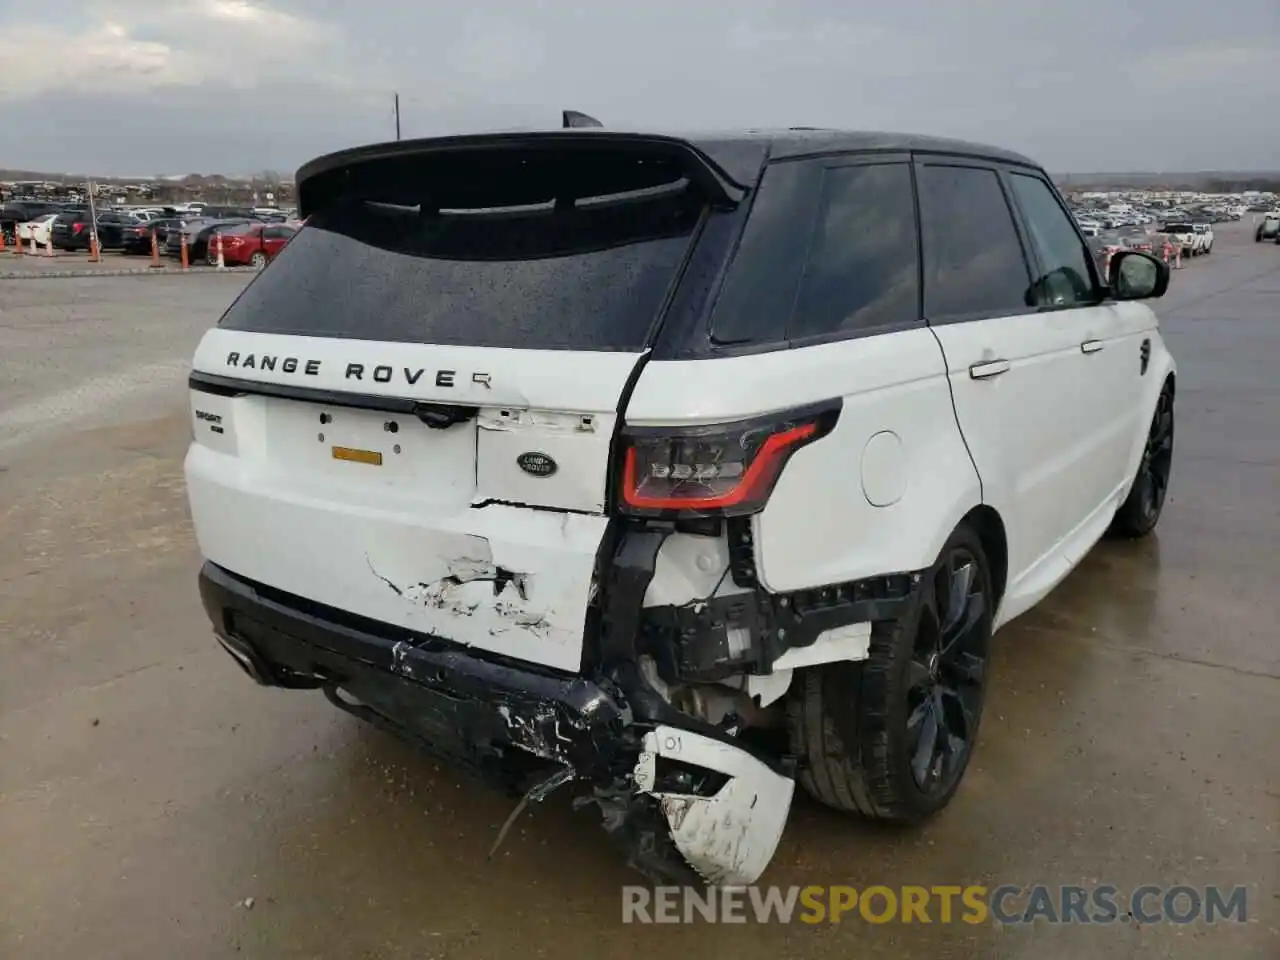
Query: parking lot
(154,803)
(62,264)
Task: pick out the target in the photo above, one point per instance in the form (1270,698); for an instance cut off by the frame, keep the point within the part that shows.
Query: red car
(251,244)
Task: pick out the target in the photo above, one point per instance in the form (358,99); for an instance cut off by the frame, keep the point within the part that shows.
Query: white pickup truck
(1204,236)
(1195,239)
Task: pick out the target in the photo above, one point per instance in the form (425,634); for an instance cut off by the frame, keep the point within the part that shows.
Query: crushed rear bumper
(684,803)
(466,709)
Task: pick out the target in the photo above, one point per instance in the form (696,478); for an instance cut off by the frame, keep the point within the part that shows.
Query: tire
(852,723)
(258,260)
(1141,510)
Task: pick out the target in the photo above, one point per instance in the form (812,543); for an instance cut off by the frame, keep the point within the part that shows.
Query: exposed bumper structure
(728,837)
(723,809)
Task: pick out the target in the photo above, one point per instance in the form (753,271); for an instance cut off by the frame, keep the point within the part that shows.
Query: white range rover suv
(685,469)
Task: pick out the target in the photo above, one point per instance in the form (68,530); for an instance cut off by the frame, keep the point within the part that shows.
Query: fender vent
(1145,354)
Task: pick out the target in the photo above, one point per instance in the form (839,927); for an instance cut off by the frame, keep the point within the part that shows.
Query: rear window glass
(530,265)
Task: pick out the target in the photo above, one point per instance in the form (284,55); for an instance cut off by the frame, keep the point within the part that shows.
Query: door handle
(1091,346)
(988,369)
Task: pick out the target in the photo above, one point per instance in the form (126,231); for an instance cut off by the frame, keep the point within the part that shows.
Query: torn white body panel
(728,838)
(688,569)
(507,580)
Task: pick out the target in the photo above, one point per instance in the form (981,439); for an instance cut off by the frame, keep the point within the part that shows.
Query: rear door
(1017,374)
(410,415)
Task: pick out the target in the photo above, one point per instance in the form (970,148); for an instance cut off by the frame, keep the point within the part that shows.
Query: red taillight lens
(727,470)
(77,227)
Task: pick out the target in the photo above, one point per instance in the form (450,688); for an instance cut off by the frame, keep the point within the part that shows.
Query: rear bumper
(719,819)
(495,718)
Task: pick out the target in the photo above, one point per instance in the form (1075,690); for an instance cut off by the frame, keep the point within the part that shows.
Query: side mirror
(1134,275)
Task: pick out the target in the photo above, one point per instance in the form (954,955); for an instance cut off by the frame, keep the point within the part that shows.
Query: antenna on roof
(573,119)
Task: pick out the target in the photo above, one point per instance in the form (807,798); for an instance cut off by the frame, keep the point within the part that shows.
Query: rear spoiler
(326,179)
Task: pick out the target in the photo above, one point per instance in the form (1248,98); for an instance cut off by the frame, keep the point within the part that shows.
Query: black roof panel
(739,154)
(806,141)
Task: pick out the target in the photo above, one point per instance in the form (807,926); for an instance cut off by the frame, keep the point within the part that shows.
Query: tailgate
(409,414)
(409,504)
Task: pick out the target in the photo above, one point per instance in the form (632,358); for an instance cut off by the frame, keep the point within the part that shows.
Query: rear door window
(522,257)
(974,264)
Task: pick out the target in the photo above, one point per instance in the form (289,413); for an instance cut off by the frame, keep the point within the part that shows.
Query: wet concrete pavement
(148,790)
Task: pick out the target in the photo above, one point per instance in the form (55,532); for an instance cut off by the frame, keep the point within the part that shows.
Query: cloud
(132,47)
(254,83)
(41,59)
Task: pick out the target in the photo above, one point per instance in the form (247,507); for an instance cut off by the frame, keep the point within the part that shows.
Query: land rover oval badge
(537,464)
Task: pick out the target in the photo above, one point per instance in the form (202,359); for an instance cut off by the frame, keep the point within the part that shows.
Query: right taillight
(725,470)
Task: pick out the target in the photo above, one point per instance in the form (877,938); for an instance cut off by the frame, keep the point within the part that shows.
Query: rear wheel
(258,260)
(1140,512)
(890,737)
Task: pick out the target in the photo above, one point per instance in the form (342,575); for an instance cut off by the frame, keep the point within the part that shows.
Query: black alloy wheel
(948,665)
(1157,460)
(1142,508)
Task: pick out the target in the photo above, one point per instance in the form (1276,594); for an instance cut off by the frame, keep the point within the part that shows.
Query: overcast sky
(139,87)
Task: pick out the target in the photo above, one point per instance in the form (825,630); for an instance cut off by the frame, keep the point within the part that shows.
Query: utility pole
(397,116)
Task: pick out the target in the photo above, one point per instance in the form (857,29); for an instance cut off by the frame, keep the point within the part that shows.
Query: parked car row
(245,242)
(249,238)
(39,219)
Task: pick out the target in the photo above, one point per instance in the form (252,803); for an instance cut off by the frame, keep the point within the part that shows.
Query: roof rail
(575,119)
